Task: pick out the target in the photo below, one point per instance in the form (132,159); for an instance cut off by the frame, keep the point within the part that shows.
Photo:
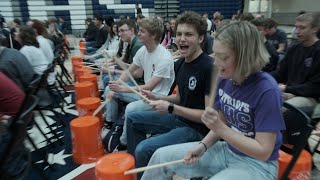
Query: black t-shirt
(274,58)
(193,80)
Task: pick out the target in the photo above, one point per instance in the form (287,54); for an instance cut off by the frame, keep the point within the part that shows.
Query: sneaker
(108,125)
(121,147)
(104,132)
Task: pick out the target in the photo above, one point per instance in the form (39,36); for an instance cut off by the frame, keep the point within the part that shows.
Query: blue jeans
(106,79)
(136,106)
(112,106)
(167,128)
(218,163)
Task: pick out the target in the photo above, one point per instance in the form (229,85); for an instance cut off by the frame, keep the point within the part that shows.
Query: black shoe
(122,147)
(108,125)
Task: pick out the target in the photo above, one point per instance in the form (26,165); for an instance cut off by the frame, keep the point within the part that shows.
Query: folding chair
(298,130)
(17,131)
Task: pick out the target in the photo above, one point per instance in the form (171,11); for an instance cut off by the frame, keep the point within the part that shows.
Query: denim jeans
(167,128)
(112,106)
(136,106)
(218,163)
(106,79)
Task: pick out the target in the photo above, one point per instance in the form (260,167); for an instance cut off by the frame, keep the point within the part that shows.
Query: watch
(170,108)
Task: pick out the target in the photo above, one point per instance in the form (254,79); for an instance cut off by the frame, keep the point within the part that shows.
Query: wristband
(205,146)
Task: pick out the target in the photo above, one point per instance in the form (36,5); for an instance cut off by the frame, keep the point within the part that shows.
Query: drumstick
(11,44)
(133,90)
(103,104)
(124,67)
(88,63)
(214,78)
(91,67)
(108,69)
(137,170)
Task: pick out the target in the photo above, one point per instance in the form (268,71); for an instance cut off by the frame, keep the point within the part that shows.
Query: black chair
(17,132)
(298,130)
(46,103)
(315,120)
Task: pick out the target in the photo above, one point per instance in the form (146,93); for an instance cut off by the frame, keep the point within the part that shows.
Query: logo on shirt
(308,62)
(237,114)
(192,83)
(153,69)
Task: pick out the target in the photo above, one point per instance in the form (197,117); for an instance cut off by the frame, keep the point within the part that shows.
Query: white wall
(291,6)
(294,6)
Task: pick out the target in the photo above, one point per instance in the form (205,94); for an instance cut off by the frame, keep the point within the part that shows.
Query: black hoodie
(300,70)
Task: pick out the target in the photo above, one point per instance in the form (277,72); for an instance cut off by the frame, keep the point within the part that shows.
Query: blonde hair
(313,18)
(246,42)
(154,26)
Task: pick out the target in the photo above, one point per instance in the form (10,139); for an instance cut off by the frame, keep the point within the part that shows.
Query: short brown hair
(313,18)
(259,22)
(130,23)
(154,26)
(195,20)
(270,23)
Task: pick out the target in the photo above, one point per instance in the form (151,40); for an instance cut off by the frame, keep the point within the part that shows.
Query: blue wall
(76,11)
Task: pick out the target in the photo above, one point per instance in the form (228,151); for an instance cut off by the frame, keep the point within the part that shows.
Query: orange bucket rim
(89,101)
(84,121)
(115,163)
(88,76)
(84,84)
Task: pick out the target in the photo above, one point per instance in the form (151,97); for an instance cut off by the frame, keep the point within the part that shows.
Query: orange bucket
(86,107)
(113,166)
(302,168)
(76,59)
(82,47)
(82,71)
(92,78)
(76,65)
(86,142)
(84,89)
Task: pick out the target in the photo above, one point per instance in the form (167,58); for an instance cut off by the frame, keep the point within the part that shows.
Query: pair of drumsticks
(125,69)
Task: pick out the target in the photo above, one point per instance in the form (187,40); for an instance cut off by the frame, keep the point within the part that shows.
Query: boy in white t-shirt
(153,62)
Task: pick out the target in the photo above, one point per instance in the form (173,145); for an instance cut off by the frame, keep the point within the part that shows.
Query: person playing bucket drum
(246,114)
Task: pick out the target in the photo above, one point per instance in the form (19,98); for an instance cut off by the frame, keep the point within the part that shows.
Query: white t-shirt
(158,63)
(46,48)
(209,25)
(36,58)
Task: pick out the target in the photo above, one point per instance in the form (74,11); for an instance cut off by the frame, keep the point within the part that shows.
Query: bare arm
(260,147)
(191,114)
(281,48)
(132,69)
(188,113)
(173,98)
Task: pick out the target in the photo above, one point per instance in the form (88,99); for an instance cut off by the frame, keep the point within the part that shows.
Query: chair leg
(60,120)
(47,139)
(59,93)
(51,130)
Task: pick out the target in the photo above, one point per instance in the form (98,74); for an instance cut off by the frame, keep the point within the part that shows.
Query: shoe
(104,132)
(122,147)
(108,125)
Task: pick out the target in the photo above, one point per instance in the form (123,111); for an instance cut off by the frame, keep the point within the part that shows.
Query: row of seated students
(247,109)
(18,68)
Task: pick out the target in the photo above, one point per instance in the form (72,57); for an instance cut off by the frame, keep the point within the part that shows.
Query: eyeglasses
(123,30)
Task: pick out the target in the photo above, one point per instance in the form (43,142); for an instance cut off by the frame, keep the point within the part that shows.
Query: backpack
(112,140)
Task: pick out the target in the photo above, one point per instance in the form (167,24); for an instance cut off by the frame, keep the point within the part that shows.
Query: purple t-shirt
(254,106)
